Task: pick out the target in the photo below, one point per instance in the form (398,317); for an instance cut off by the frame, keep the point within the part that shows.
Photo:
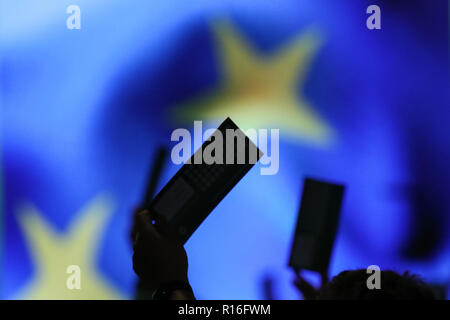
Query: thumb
(144,224)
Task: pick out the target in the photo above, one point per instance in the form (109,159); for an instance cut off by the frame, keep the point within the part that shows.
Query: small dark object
(154,176)
(316,225)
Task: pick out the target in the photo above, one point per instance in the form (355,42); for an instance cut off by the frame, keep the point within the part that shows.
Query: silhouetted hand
(307,289)
(133,229)
(158,258)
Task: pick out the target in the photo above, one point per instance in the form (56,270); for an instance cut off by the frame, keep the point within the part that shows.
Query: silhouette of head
(352,285)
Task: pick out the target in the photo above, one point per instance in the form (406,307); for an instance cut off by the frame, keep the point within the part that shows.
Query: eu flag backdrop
(82,112)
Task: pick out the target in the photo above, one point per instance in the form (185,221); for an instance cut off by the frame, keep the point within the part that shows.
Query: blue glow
(83,111)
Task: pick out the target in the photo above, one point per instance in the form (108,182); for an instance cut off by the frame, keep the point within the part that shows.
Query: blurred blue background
(83,111)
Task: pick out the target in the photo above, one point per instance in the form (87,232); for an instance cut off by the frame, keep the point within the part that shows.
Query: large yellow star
(259,91)
(53,252)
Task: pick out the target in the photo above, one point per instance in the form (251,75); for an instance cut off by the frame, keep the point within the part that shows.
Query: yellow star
(53,252)
(260,91)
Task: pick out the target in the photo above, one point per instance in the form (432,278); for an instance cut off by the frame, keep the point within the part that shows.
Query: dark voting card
(316,225)
(197,188)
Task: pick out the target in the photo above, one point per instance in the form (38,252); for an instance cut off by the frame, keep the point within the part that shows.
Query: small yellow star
(260,91)
(53,252)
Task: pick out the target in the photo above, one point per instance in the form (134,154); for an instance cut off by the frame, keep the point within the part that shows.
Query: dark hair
(353,285)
